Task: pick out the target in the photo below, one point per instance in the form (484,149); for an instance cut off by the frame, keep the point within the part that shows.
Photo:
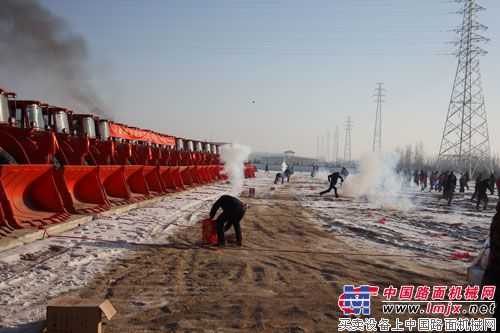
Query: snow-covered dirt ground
(34,274)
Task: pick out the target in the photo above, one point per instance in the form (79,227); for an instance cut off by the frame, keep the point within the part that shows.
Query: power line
(375,28)
(275,51)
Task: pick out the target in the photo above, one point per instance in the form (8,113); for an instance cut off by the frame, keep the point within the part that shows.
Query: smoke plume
(38,50)
(322,174)
(377,181)
(234,156)
(283,166)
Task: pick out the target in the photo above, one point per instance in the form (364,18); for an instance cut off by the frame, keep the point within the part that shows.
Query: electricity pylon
(336,145)
(465,143)
(377,135)
(347,147)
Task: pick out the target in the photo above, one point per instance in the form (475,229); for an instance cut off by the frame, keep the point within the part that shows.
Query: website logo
(355,301)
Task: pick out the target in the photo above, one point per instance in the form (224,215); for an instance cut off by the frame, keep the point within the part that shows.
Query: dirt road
(182,286)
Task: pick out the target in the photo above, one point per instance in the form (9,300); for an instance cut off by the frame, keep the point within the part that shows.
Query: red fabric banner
(119,131)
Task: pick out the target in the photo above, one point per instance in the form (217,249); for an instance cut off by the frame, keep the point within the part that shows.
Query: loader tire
(6,158)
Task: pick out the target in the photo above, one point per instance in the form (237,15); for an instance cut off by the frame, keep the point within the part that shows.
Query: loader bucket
(154,181)
(168,179)
(203,173)
(200,171)
(176,176)
(134,175)
(222,175)
(5,228)
(195,177)
(186,176)
(115,186)
(249,171)
(212,172)
(31,196)
(214,169)
(81,189)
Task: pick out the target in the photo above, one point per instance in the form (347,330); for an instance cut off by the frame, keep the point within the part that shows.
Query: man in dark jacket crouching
(233,211)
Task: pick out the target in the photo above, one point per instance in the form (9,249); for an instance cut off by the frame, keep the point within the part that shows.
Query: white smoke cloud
(377,181)
(283,166)
(233,157)
(322,174)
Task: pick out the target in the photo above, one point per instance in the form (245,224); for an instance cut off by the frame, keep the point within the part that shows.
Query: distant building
(289,154)
(291,159)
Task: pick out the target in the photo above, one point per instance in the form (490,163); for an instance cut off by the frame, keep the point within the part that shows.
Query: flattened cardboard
(77,315)
(108,309)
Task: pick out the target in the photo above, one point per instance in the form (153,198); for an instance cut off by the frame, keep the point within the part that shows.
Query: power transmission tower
(336,145)
(317,149)
(327,157)
(377,135)
(347,147)
(465,144)
(322,154)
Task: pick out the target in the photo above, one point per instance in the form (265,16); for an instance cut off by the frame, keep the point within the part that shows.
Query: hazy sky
(194,68)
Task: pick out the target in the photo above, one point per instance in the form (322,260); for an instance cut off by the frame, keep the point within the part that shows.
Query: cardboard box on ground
(77,315)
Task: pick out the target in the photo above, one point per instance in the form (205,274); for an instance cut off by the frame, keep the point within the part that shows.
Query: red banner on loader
(119,131)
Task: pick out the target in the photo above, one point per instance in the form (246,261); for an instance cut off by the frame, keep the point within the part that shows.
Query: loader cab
(199,147)
(208,147)
(179,144)
(190,146)
(103,129)
(5,117)
(29,114)
(88,126)
(56,118)
(84,124)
